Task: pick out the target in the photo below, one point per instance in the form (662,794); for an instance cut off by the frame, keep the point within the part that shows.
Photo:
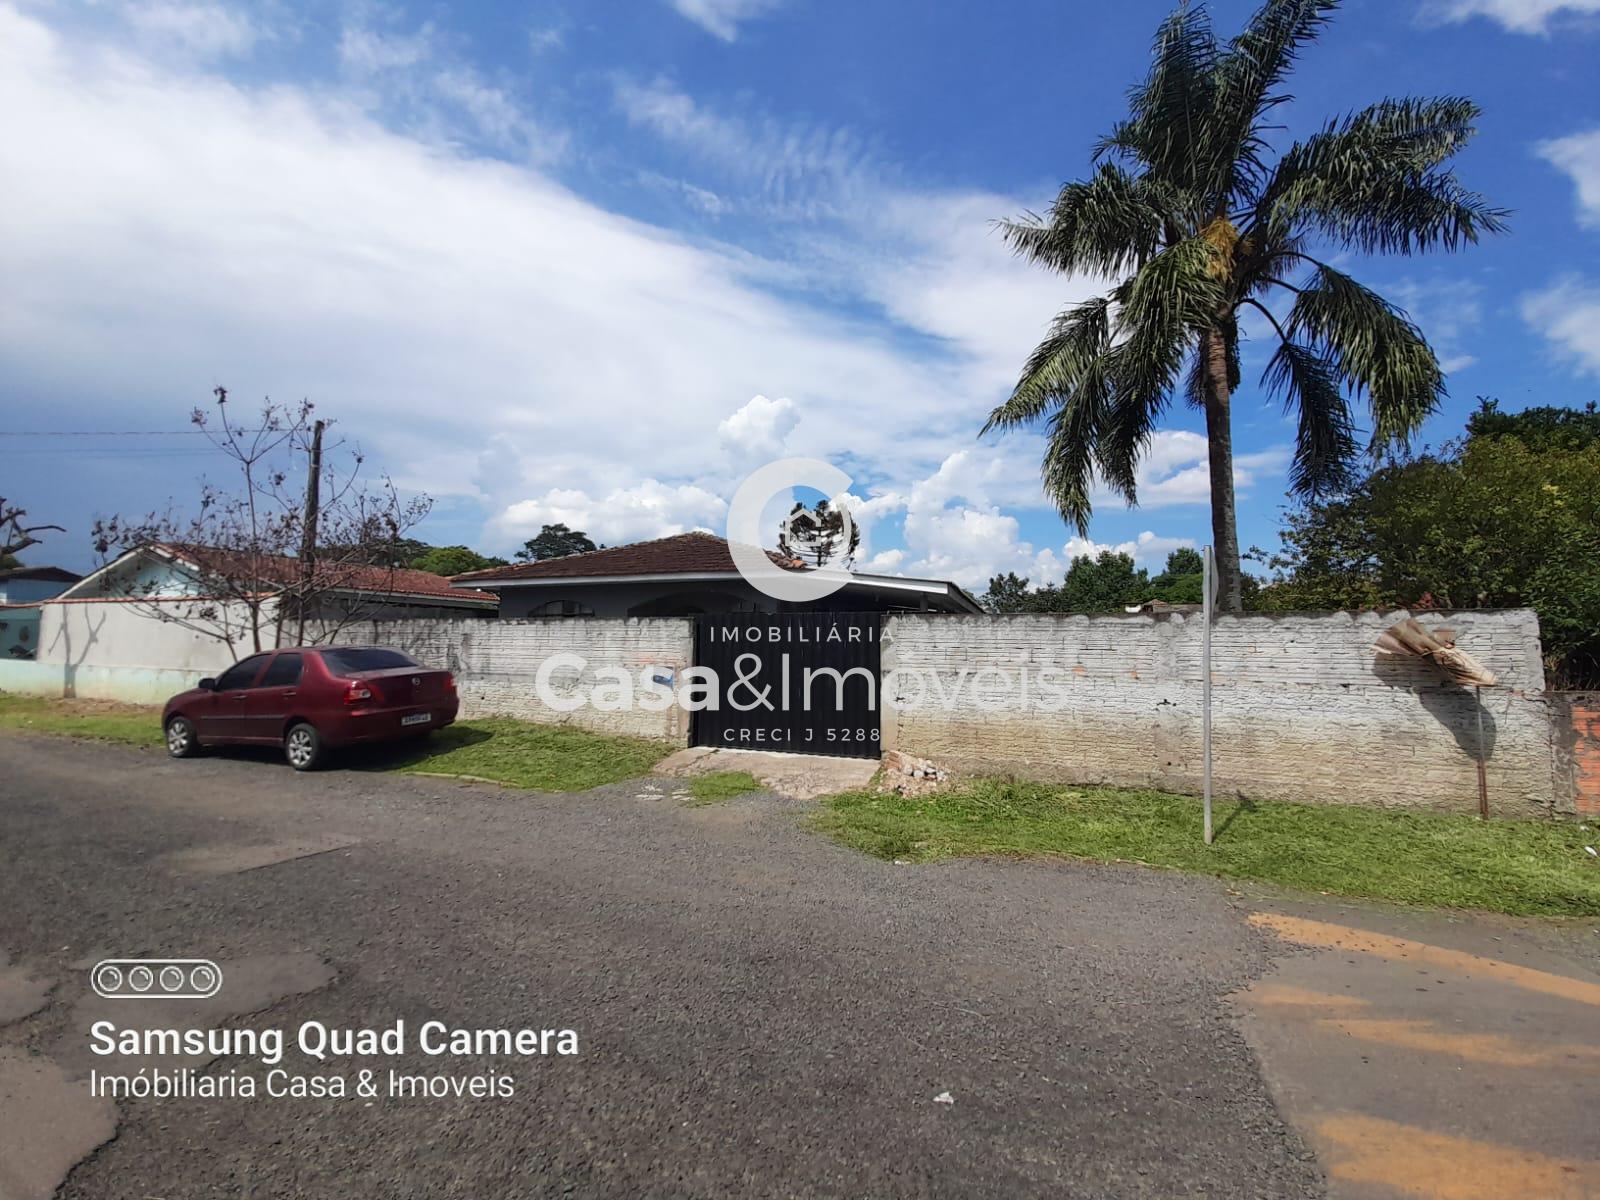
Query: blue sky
(594,262)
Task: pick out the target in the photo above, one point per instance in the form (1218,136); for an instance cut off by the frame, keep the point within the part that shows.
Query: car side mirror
(208,684)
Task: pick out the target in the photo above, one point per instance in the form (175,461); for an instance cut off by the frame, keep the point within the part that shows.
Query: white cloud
(370,52)
(759,429)
(1517,16)
(1176,469)
(1148,550)
(721,18)
(197,30)
(955,524)
(428,299)
(417,78)
(1568,314)
(786,169)
(493,338)
(1578,155)
(547,38)
(647,509)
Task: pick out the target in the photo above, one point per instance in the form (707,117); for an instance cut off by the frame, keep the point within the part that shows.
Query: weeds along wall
(1302,709)
(496,664)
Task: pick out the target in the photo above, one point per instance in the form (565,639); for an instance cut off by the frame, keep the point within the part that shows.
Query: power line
(124,432)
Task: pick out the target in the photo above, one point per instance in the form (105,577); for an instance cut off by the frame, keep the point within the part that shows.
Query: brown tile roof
(281,570)
(694,553)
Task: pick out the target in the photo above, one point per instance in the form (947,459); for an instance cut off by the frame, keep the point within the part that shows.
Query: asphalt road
(760,1012)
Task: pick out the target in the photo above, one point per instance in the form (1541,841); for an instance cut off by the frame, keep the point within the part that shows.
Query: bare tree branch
(237,552)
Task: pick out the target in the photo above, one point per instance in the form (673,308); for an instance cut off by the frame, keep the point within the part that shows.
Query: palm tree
(1195,218)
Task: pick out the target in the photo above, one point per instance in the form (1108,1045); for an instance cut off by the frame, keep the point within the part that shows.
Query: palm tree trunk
(1219,436)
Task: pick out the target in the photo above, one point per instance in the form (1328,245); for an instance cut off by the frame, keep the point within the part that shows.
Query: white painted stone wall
(115,650)
(1301,708)
(496,664)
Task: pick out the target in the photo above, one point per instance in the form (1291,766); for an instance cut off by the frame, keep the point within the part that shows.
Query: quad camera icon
(156,978)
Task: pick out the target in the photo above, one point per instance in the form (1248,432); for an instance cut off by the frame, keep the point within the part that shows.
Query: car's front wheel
(182,739)
(303,748)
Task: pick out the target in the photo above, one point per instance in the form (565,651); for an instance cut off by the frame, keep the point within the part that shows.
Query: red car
(309,699)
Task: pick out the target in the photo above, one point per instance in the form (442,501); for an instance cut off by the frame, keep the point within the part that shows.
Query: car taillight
(356,693)
(450,685)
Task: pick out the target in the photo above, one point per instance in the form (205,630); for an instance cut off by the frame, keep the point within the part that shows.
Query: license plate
(417,719)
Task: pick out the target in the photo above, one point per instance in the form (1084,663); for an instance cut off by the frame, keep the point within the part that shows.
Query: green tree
(1108,582)
(1544,428)
(1505,518)
(1190,210)
(453,560)
(555,541)
(1008,593)
(1183,579)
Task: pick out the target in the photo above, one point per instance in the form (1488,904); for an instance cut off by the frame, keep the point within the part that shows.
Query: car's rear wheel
(182,739)
(302,746)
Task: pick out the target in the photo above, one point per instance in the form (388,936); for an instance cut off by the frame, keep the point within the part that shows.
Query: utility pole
(308,533)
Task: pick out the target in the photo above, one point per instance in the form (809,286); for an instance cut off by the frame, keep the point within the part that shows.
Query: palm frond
(1058,365)
(1375,348)
(1106,225)
(1067,472)
(1375,181)
(1170,106)
(1325,440)
(1158,312)
(1254,64)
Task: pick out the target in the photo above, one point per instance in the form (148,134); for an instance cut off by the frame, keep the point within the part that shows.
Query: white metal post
(1208,589)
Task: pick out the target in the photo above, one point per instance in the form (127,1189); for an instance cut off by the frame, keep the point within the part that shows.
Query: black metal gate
(806,683)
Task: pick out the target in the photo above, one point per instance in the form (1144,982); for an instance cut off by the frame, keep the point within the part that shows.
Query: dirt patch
(795,776)
(21,994)
(48,1124)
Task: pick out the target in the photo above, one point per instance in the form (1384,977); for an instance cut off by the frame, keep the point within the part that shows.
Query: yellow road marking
(1282,995)
(1474,1047)
(1342,937)
(1419,1162)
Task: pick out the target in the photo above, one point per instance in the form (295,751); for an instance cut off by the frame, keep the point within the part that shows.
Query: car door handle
(289,695)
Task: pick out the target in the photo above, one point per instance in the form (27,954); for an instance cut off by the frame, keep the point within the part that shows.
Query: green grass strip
(1441,860)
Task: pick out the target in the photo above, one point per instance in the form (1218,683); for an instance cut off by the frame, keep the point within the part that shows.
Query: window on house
(563,608)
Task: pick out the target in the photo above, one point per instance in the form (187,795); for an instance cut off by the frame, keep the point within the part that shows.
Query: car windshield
(352,660)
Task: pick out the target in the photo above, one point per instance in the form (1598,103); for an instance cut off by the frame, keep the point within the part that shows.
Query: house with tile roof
(185,573)
(686,574)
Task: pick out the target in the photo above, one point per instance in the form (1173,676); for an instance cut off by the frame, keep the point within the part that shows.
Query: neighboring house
(157,619)
(684,575)
(22,585)
(21,588)
(191,574)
